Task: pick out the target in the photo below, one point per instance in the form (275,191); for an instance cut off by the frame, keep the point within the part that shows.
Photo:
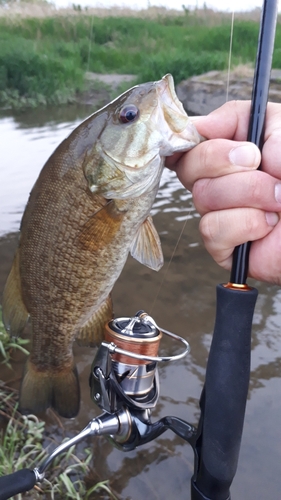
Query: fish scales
(88,209)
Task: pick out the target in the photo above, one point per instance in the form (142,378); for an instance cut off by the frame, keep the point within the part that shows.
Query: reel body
(124,377)
(117,378)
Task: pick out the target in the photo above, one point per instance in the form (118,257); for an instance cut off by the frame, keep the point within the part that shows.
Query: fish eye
(128,113)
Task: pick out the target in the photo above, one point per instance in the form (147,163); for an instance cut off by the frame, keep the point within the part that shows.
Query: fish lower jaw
(178,146)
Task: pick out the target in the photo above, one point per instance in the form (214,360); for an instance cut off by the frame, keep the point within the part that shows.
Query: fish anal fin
(14,312)
(43,389)
(92,333)
(146,246)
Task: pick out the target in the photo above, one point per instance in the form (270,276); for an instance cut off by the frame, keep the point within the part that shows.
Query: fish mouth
(168,82)
(173,109)
(174,114)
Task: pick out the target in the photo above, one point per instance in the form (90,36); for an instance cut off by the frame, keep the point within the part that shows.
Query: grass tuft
(8,345)
(25,444)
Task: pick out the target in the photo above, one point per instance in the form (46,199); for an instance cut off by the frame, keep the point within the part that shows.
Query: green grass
(23,445)
(9,345)
(43,60)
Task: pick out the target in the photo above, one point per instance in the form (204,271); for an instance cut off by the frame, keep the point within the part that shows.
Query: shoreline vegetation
(25,442)
(45,52)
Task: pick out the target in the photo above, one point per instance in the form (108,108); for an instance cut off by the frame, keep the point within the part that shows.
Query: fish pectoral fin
(146,246)
(14,312)
(92,333)
(43,389)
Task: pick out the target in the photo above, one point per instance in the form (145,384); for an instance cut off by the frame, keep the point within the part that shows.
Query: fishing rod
(224,396)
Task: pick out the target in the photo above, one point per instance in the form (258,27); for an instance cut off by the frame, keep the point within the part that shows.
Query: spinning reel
(124,383)
(124,379)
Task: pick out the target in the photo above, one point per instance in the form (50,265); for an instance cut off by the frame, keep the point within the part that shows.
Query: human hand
(237,202)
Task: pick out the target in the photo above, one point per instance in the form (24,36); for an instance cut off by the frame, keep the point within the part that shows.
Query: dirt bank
(202,94)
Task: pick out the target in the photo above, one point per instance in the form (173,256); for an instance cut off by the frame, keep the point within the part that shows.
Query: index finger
(216,158)
(230,121)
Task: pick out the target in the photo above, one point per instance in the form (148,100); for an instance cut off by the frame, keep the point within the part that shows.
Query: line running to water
(229,56)
(167,269)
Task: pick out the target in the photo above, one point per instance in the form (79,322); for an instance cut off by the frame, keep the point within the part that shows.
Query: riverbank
(199,94)
(202,94)
(45,53)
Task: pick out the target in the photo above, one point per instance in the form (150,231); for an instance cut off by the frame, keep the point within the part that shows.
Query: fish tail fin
(42,389)
(66,392)
(35,391)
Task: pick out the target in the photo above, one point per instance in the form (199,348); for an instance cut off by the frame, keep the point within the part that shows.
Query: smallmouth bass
(88,209)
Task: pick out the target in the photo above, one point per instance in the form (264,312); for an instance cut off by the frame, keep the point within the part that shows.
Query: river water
(181,298)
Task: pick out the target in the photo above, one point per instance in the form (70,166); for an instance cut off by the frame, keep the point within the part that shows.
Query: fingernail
(271,218)
(245,156)
(277,192)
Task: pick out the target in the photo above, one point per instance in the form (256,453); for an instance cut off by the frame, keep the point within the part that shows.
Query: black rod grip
(198,495)
(224,396)
(18,482)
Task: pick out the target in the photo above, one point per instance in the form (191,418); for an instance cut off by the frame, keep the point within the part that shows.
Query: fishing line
(90,41)
(168,267)
(184,225)
(229,55)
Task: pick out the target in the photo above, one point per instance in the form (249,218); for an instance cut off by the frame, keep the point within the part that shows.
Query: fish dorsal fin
(15,315)
(92,333)
(146,246)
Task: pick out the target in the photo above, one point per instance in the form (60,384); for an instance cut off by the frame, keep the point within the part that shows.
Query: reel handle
(18,482)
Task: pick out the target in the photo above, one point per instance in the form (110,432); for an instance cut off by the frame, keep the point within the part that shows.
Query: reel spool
(124,371)
(135,375)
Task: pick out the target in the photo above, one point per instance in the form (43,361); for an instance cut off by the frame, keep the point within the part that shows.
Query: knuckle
(256,187)
(252,224)
(207,153)
(208,228)
(198,193)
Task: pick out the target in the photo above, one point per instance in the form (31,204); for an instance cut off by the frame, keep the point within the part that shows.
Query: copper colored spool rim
(147,347)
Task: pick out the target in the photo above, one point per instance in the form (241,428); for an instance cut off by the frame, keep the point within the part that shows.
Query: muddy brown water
(181,298)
